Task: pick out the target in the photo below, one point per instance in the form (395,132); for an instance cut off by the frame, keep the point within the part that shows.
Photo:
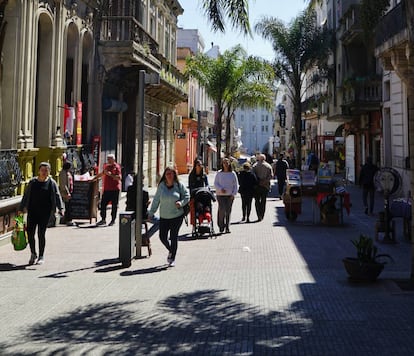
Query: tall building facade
(69,87)
(256,127)
(194,138)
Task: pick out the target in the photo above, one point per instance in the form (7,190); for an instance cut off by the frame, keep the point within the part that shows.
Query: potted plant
(368,264)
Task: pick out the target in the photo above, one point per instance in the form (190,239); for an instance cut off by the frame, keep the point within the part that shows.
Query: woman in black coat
(247,184)
(40,201)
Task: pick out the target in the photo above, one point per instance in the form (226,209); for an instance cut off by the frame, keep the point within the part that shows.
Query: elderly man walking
(264,174)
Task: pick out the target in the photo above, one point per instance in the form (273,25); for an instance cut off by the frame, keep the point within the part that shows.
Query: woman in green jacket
(170,198)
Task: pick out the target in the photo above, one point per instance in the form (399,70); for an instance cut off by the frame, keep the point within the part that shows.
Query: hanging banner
(96,149)
(79,123)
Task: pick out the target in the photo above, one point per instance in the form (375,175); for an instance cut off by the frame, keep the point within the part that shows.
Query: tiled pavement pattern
(268,288)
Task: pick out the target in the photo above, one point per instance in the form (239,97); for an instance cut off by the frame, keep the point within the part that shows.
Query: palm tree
(237,11)
(300,47)
(231,80)
(252,86)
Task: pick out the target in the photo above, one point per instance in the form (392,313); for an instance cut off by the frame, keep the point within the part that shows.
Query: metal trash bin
(126,237)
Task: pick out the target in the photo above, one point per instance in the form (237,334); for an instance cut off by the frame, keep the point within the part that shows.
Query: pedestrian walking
(264,174)
(112,180)
(366,181)
(66,190)
(196,179)
(129,180)
(170,197)
(131,197)
(226,184)
(131,205)
(312,162)
(247,186)
(281,166)
(40,200)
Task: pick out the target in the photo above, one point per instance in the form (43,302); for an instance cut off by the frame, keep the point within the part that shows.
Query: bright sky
(284,10)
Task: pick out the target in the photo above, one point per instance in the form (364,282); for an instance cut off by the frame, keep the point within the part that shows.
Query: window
(160,32)
(387,90)
(167,41)
(140,15)
(153,22)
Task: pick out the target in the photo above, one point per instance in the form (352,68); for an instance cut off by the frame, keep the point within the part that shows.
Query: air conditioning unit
(178,122)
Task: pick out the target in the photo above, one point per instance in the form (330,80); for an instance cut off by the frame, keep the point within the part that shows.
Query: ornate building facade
(69,85)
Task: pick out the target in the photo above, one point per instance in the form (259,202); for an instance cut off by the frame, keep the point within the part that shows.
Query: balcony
(392,41)
(361,95)
(172,88)
(125,42)
(394,23)
(351,26)
(315,105)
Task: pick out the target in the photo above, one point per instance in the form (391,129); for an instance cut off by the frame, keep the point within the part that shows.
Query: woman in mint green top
(170,198)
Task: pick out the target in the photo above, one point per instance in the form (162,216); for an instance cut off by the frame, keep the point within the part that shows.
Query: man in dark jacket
(280,170)
(366,180)
(264,174)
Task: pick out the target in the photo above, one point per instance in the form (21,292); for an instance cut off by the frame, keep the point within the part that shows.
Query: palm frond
(235,11)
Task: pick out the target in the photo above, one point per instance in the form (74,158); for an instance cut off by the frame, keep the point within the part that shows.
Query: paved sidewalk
(268,288)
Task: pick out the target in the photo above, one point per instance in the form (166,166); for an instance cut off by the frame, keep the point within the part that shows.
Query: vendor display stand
(331,205)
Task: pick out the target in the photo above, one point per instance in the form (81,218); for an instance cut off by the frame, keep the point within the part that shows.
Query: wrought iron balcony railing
(391,24)
(127,28)
(361,96)
(10,173)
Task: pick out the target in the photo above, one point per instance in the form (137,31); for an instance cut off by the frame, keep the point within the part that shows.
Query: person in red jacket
(112,179)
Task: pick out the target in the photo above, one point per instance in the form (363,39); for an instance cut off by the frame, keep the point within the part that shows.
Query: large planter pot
(358,271)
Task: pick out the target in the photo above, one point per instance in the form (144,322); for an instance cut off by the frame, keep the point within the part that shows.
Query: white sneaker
(32,259)
(41,260)
(171,264)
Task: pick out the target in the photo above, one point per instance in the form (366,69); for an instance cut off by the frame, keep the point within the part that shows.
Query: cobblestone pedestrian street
(267,288)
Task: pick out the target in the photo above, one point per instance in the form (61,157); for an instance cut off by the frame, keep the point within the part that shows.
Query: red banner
(79,123)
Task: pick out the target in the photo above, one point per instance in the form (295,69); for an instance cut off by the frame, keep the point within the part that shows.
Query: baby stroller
(203,224)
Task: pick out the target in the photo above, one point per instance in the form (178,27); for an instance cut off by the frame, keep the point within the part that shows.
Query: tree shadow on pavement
(203,322)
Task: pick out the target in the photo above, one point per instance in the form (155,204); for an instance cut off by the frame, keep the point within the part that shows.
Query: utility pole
(143,80)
